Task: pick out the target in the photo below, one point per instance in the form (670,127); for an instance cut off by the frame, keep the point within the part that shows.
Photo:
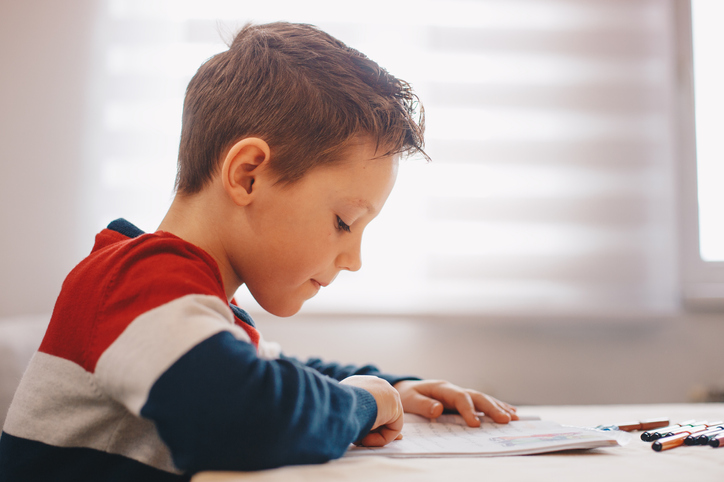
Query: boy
(148,370)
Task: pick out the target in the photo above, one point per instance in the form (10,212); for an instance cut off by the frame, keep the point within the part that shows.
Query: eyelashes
(341,225)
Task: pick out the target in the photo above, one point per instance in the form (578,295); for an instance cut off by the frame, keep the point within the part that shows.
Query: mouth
(319,284)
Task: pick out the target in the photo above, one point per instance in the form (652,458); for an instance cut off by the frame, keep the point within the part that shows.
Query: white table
(635,462)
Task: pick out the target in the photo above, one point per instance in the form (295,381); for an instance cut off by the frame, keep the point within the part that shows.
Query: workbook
(449,436)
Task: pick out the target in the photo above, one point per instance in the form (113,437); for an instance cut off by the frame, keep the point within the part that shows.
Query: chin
(282,303)
(282,310)
(284,313)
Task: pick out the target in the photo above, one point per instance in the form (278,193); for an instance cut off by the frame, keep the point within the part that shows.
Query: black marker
(651,435)
(717,441)
(685,428)
(703,438)
(676,440)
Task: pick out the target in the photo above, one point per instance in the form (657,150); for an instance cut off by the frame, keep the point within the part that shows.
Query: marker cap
(704,437)
(652,435)
(666,443)
(717,441)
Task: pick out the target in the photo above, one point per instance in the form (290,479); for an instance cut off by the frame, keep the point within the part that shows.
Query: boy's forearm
(340,372)
(252,413)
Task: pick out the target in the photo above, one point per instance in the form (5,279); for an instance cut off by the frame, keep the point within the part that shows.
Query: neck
(195,219)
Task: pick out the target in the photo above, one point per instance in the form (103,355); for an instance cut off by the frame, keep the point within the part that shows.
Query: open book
(449,436)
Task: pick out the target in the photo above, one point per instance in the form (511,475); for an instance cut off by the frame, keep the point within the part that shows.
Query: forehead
(357,169)
(360,178)
(360,154)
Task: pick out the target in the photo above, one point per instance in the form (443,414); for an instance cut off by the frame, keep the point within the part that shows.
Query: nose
(350,258)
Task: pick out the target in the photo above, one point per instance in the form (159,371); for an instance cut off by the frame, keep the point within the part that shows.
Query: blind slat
(549,125)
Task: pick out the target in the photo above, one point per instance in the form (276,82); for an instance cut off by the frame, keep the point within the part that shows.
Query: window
(551,124)
(702,153)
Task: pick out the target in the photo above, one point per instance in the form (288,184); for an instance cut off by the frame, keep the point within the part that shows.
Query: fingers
(466,408)
(430,397)
(449,396)
(422,405)
(500,412)
(384,434)
(469,402)
(378,438)
(389,405)
(512,411)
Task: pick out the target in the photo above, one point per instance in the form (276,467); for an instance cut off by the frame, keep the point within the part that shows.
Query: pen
(649,424)
(687,428)
(672,441)
(653,423)
(652,435)
(717,441)
(703,437)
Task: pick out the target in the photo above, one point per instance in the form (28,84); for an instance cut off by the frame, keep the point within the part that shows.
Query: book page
(452,437)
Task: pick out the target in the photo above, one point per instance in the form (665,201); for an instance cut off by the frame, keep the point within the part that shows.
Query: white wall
(44,55)
(45,48)
(563,362)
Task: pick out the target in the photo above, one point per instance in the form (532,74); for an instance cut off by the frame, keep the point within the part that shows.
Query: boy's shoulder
(124,253)
(127,274)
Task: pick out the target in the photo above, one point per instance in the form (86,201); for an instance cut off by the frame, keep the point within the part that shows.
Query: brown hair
(301,90)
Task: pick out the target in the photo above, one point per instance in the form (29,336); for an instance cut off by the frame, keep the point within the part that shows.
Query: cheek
(301,254)
(308,256)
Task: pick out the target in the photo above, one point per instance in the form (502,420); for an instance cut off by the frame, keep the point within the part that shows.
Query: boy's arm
(220,407)
(428,398)
(217,405)
(340,372)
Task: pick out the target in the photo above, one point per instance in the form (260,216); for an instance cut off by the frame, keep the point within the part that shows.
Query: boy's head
(303,92)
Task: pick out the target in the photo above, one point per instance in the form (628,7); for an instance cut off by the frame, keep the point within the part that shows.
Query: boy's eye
(342,225)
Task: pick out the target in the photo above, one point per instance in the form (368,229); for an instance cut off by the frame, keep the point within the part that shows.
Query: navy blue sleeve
(340,372)
(220,407)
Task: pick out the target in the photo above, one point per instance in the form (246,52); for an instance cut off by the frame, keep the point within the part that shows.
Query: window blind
(550,126)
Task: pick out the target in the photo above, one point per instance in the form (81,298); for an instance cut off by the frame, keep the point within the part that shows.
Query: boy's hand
(388,424)
(429,397)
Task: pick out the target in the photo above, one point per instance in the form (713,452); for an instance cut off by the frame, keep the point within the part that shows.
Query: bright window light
(549,124)
(708,81)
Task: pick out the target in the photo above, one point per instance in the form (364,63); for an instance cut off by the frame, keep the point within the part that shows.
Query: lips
(319,284)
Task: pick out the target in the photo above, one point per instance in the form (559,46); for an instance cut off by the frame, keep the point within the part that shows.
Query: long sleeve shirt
(146,372)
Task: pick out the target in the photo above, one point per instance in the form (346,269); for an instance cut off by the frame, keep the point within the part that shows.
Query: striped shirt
(146,372)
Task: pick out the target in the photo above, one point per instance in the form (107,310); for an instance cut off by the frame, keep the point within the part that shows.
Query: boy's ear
(241,166)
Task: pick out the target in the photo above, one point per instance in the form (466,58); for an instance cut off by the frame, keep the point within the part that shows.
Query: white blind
(551,190)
